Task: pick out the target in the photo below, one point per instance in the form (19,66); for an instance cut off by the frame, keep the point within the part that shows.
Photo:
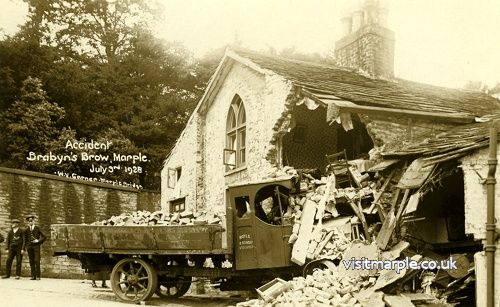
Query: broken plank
(402,205)
(380,193)
(386,231)
(420,297)
(363,222)
(412,203)
(324,198)
(389,223)
(322,244)
(395,199)
(299,251)
(359,213)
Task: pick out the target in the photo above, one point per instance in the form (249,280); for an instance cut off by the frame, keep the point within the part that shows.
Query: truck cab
(260,227)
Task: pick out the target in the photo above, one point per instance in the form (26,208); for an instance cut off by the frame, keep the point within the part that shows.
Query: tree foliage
(98,29)
(31,124)
(100,64)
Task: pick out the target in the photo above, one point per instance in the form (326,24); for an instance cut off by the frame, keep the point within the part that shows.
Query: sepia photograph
(249,153)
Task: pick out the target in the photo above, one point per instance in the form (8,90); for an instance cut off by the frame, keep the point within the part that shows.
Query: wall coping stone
(65,179)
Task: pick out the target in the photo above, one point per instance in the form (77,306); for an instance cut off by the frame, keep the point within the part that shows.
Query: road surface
(69,292)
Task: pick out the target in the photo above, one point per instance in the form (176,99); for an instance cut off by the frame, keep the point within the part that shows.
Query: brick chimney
(367,45)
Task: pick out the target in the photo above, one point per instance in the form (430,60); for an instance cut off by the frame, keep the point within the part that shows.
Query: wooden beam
(382,191)
(402,206)
(359,213)
(299,251)
(389,224)
(347,106)
(386,231)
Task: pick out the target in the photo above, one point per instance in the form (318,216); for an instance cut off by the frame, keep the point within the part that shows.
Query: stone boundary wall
(56,199)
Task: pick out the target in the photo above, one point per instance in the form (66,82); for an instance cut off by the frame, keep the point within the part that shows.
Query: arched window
(235,155)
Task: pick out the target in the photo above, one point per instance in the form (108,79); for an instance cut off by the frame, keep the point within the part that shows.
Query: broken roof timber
(457,118)
(347,106)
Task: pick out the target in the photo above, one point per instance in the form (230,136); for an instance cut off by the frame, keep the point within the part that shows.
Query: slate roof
(454,143)
(323,79)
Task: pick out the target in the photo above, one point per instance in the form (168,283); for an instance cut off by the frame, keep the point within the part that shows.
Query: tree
(31,124)
(20,59)
(101,65)
(82,29)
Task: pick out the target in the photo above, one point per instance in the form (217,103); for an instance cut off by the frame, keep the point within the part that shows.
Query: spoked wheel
(170,287)
(133,280)
(318,265)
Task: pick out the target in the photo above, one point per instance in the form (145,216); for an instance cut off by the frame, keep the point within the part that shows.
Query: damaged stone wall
(386,130)
(264,99)
(475,216)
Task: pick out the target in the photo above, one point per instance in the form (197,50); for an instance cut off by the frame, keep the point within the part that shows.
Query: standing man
(15,249)
(34,238)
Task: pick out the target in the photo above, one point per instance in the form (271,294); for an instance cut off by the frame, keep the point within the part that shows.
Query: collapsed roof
(354,91)
(452,144)
(357,93)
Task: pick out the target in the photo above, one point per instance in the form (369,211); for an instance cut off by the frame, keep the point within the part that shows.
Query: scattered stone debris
(333,224)
(141,218)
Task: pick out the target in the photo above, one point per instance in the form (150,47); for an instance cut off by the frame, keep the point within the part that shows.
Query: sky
(440,42)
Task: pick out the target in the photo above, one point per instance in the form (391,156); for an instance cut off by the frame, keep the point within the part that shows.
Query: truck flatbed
(151,240)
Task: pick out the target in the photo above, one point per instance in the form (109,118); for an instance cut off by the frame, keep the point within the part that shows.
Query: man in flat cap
(34,238)
(15,248)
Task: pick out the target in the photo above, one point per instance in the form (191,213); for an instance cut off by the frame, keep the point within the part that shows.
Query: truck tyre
(321,264)
(133,280)
(172,287)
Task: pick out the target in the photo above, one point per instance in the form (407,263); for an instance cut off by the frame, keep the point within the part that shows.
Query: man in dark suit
(34,238)
(15,248)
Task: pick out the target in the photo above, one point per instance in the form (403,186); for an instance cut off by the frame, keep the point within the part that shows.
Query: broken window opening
(271,203)
(310,138)
(357,142)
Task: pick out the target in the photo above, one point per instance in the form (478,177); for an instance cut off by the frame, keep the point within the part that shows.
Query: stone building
(261,113)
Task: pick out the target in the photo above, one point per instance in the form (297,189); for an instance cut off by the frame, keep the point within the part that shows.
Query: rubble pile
(324,287)
(141,218)
(366,220)
(330,233)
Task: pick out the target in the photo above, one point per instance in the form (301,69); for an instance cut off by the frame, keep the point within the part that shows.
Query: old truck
(144,260)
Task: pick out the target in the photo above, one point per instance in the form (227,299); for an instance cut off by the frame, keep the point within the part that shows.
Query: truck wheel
(133,280)
(318,265)
(173,287)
